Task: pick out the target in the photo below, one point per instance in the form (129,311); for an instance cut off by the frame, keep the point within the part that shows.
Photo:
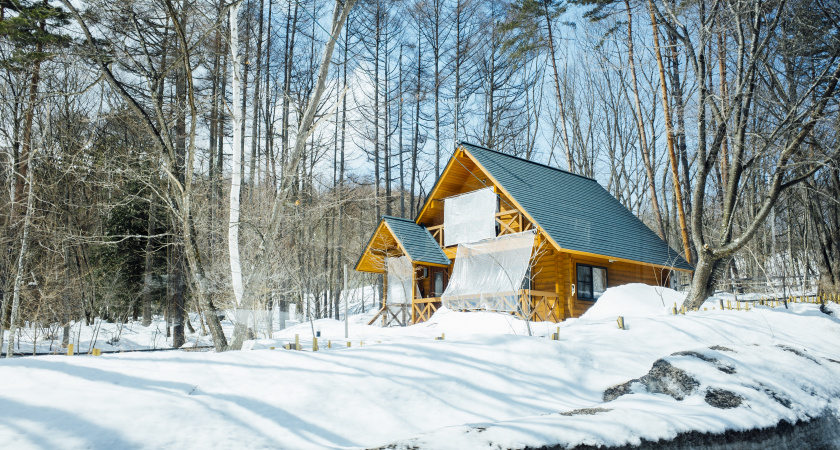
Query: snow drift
(634,300)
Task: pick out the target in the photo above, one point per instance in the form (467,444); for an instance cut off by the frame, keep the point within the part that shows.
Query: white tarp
(399,280)
(488,274)
(469,217)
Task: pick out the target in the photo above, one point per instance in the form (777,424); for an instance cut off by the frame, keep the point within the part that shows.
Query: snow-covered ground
(115,337)
(487,383)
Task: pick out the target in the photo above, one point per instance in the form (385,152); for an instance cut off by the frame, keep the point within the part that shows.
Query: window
(526,282)
(438,284)
(591,282)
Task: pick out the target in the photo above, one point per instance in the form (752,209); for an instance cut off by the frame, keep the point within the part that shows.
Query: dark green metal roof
(417,241)
(576,211)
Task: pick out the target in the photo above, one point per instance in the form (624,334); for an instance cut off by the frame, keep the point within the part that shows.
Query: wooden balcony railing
(437,233)
(510,221)
(540,306)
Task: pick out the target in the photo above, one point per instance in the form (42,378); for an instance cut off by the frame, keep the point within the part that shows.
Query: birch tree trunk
(236,173)
(21,261)
(235,180)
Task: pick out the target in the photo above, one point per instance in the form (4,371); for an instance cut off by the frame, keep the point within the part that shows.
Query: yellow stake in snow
(69,349)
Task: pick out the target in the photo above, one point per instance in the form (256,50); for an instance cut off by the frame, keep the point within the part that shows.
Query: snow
(116,337)
(634,300)
(487,383)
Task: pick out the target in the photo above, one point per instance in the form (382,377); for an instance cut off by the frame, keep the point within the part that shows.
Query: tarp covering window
(399,280)
(469,217)
(488,274)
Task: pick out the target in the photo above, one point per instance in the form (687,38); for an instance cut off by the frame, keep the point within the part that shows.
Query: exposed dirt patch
(822,433)
(585,411)
(720,366)
(721,348)
(723,399)
(797,352)
(663,378)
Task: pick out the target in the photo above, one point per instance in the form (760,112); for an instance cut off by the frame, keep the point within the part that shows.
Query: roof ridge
(527,160)
(396,218)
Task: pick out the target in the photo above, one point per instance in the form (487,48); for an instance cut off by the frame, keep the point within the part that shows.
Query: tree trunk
(148,268)
(651,176)
(377,178)
(255,152)
(235,184)
(564,132)
(22,257)
(181,167)
(670,136)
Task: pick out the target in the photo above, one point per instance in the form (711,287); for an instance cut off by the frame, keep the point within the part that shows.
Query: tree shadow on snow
(58,423)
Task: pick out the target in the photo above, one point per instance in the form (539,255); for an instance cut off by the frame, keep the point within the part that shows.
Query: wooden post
(561,314)
(413,290)
(348,344)
(346,301)
(329,344)
(297,342)
(620,322)
(69,349)
(570,277)
(314,344)
(674,309)
(721,303)
(385,295)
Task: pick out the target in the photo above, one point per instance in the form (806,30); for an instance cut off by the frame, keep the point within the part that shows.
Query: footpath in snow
(488,383)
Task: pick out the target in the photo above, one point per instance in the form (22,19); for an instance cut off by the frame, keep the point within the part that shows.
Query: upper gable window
(470,217)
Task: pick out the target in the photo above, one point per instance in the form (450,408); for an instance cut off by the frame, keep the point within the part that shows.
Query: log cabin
(584,240)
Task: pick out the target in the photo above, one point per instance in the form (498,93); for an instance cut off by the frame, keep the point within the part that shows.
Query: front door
(438,282)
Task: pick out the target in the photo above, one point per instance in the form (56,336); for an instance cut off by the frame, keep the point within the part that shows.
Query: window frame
(591,281)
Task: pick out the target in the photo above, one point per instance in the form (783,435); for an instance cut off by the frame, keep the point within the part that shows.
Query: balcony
(508,222)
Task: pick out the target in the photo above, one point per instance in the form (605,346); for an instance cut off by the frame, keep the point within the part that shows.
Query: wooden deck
(531,304)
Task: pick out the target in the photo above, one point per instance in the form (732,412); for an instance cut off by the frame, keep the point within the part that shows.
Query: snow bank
(634,300)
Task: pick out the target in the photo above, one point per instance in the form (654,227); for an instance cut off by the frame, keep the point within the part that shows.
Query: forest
(161,157)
